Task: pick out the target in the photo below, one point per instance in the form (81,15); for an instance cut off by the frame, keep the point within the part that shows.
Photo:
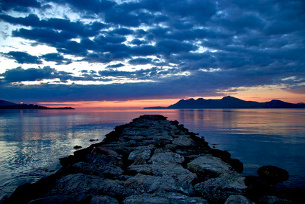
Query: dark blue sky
(70,50)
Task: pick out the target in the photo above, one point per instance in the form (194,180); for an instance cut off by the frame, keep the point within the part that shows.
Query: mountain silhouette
(227,102)
(10,105)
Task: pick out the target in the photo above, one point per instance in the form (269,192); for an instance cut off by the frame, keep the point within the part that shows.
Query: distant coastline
(228,102)
(9,105)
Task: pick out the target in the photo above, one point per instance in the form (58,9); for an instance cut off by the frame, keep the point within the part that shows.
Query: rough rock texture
(150,160)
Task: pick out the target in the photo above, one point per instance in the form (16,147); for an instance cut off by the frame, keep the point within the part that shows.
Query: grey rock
(146,199)
(164,199)
(115,188)
(104,200)
(172,170)
(237,199)
(166,157)
(74,188)
(141,168)
(143,152)
(209,166)
(184,141)
(151,184)
(220,188)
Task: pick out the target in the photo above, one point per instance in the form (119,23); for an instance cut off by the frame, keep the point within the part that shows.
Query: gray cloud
(249,43)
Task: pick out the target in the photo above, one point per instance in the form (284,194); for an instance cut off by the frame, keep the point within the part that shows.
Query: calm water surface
(31,141)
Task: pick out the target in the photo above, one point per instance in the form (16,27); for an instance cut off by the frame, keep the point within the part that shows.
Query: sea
(32,141)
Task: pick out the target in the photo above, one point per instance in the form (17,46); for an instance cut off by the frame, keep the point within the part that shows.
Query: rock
(103,199)
(164,199)
(208,166)
(105,151)
(143,152)
(273,174)
(220,188)
(234,199)
(237,165)
(147,199)
(99,165)
(115,188)
(73,188)
(156,184)
(77,147)
(220,154)
(183,141)
(93,140)
(166,157)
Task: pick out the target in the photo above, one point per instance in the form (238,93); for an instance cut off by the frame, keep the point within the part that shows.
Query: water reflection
(33,140)
(255,136)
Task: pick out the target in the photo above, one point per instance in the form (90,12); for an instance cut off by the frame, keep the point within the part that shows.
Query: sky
(103,53)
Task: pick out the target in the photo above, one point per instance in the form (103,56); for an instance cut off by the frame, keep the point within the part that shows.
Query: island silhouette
(10,105)
(227,102)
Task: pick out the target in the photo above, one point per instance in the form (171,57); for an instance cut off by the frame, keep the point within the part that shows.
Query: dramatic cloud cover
(71,50)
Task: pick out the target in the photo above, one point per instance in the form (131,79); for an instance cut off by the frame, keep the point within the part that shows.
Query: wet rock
(220,188)
(208,166)
(233,199)
(273,174)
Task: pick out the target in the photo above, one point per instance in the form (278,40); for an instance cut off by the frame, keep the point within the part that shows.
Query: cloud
(19,5)
(188,48)
(32,74)
(138,61)
(56,57)
(23,57)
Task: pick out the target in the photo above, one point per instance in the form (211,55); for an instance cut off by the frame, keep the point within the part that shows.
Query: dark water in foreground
(31,141)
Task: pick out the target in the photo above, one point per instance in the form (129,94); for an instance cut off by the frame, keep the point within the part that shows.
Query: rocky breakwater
(150,160)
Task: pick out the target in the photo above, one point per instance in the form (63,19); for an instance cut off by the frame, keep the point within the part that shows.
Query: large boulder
(142,152)
(273,174)
(166,157)
(184,141)
(220,188)
(208,166)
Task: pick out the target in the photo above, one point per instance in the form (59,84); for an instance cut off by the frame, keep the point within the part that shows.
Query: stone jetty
(150,160)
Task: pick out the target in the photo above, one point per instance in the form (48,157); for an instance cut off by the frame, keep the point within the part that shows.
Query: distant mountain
(10,105)
(6,103)
(227,102)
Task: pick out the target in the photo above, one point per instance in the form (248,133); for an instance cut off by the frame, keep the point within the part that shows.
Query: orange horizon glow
(112,104)
(139,104)
(259,94)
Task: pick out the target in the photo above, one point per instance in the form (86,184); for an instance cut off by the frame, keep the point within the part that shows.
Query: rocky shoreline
(153,160)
